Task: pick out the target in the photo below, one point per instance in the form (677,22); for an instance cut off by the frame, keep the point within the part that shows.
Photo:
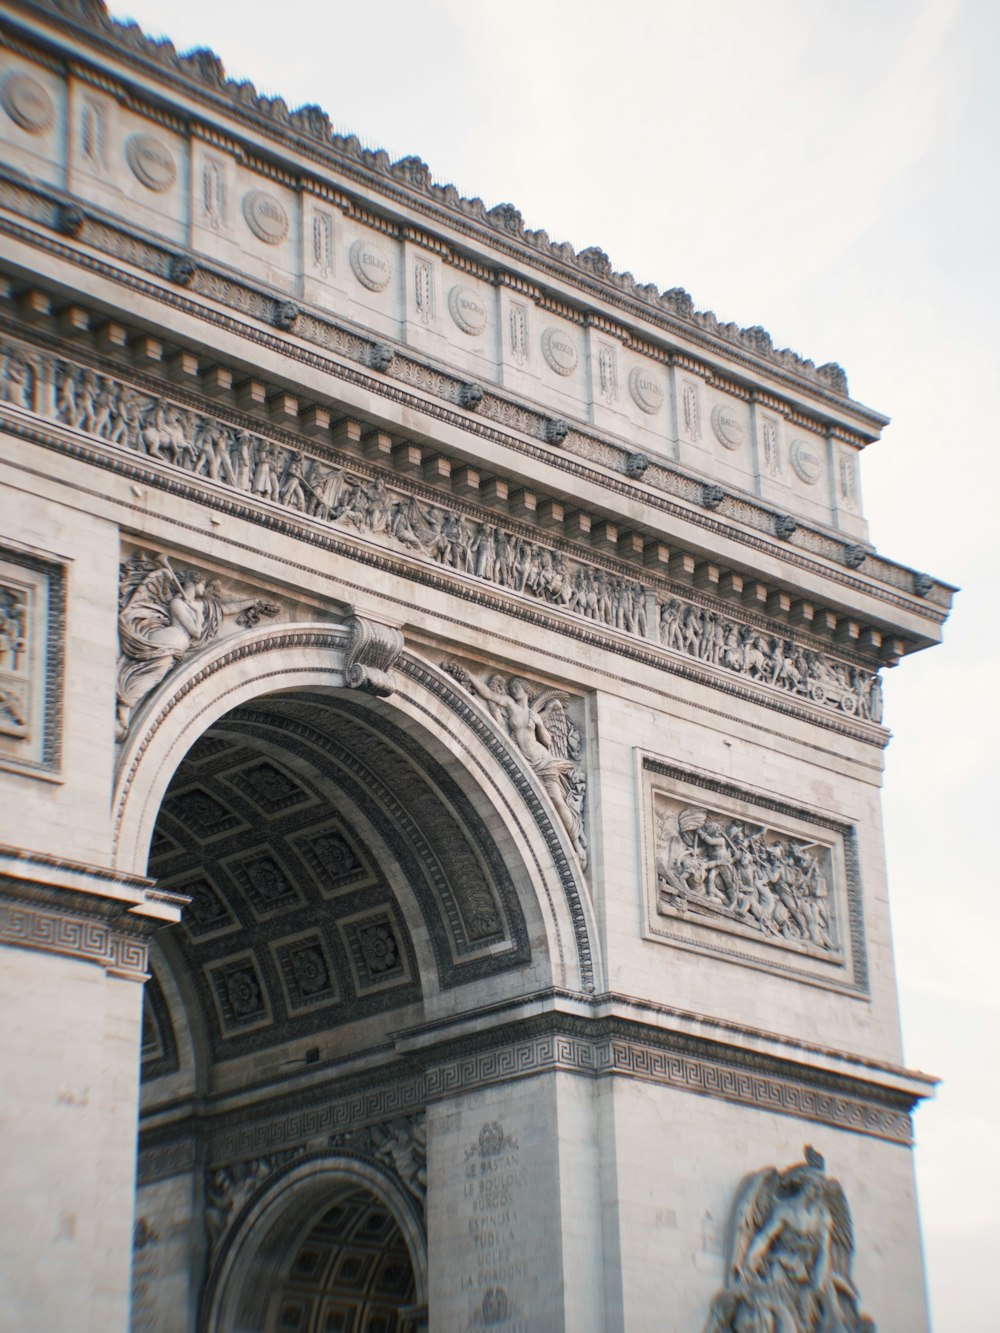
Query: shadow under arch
(262,1241)
(426,702)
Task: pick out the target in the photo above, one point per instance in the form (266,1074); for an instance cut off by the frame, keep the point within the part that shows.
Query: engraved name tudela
(27,103)
(728,427)
(806,460)
(559,351)
(370,265)
(467,310)
(646,390)
(265,216)
(151,162)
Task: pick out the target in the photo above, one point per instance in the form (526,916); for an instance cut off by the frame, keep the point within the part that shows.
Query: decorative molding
(501,1054)
(661,477)
(79,924)
(308,129)
(599,591)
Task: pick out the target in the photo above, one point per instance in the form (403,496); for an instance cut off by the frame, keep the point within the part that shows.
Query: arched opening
(351,1274)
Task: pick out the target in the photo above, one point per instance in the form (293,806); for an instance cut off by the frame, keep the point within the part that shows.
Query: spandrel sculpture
(162,617)
(791,1256)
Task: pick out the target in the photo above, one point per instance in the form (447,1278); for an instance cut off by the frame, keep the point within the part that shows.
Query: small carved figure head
(470,396)
(712,496)
(555,431)
(922,584)
(286,315)
(508,217)
(596,260)
(181,270)
(854,557)
(381,357)
(636,465)
(69,219)
(785,525)
(518,688)
(680,301)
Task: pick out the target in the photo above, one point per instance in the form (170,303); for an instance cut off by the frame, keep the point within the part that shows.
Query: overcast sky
(828,170)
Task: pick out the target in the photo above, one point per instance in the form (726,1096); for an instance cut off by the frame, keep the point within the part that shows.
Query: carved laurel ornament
(559,351)
(468,310)
(151,162)
(646,390)
(265,216)
(728,427)
(27,102)
(791,1258)
(370,265)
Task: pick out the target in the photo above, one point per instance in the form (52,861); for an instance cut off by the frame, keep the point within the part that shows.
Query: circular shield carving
(371,266)
(646,390)
(559,351)
(467,310)
(151,161)
(806,460)
(728,427)
(27,103)
(265,216)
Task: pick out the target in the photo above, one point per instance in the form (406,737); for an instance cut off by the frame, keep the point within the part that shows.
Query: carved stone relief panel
(27,102)
(32,630)
(746,876)
(165,614)
(546,727)
(791,1256)
(646,390)
(358,499)
(689,410)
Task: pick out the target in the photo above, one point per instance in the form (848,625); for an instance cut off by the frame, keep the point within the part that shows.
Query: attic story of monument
(441,735)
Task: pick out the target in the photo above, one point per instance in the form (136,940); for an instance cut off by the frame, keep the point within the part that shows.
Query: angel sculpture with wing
(792,1250)
(542,730)
(162,616)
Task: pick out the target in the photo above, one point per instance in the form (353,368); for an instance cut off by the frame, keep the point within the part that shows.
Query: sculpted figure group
(791,1258)
(162,617)
(713,638)
(541,728)
(499,555)
(739,871)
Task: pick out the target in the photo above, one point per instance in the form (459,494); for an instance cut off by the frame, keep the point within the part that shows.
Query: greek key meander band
(89,940)
(768,1089)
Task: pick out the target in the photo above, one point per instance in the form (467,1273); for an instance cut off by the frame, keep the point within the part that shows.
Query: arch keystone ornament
(372,651)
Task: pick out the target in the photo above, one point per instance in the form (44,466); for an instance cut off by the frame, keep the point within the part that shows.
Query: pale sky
(828,170)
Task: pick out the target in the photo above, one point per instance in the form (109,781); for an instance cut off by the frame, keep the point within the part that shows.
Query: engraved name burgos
(791,1256)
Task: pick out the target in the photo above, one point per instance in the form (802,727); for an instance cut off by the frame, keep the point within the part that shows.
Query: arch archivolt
(260,1243)
(427,714)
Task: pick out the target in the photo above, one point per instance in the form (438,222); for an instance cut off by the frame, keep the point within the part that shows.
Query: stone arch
(426,704)
(263,1238)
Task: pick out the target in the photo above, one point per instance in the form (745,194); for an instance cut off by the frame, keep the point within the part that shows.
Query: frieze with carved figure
(493,552)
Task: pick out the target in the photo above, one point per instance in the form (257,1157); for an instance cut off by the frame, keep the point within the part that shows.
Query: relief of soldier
(731,869)
(89,401)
